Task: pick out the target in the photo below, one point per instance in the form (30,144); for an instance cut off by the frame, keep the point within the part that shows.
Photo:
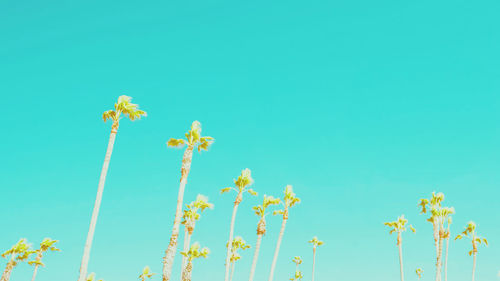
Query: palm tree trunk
(186,275)
(473,265)
(34,273)
(255,257)
(439,263)
(186,245)
(8,270)
(38,258)
(446,258)
(400,246)
(232,270)
(168,260)
(185,248)
(276,251)
(314,262)
(97,204)
(231,233)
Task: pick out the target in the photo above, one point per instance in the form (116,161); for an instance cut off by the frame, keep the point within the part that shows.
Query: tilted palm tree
(399,226)
(419,273)
(146,273)
(241,183)
(260,211)
(298,274)
(193,140)
(238,243)
(193,253)
(189,219)
(289,200)
(122,107)
(19,252)
(470,232)
(46,245)
(315,243)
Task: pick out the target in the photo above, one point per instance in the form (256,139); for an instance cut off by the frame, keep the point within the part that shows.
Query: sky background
(363,106)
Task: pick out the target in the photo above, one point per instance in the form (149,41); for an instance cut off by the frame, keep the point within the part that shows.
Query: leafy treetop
(289,200)
(123,106)
(91,277)
(419,272)
(241,183)
(46,245)
(315,242)
(146,273)
(260,210)
(195,252)
(238,243)
(193,138)
(20,251)
(191,213)
(399,225)
(470,232)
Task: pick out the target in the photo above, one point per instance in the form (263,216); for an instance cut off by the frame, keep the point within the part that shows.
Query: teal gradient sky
(363,106)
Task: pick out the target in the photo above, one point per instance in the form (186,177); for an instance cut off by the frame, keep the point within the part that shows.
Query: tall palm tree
(260,211)
(315,243)
(238,243)
(289,200)
(399,226)
(190,217)
(241,183)
(298,274)
(125,107)
(146,274)
(19,252)
(193,253)
(470,232)
(419,273)
(193,140)
(447,213)
(46,245)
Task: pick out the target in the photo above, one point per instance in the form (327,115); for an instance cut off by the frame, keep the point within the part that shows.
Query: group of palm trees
(440,218)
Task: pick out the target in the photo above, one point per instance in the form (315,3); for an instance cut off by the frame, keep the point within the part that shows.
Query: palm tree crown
(19,251)
(289,200)
(191,214)
(146,273)
(195,252)
(315,242)
(193,138)
(123,106)
(470,232)
(45,245)
(241,183)
(399,225)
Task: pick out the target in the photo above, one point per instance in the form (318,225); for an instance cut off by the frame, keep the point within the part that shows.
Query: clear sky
(363,106)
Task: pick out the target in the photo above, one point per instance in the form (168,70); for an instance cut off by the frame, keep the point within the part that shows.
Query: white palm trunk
(473,265)
(38,258)
(276,251)
(255,257)
(8,270)
(97,205)
(168,260)
(232,271)
(314,262)
(400,246)
(187,243)
(446,255)
(231,233)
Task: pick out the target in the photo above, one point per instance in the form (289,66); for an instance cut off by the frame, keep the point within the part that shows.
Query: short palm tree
(46,245)
(238,243)
(91,277)
(298,274)
(122,107)
(470,232)
(243,181)
(315,243)
(419,273)
(19,252)
(146,273)
(193,140)
(260,211)
(190,217)
(289,200)
(193,253)
(399,226)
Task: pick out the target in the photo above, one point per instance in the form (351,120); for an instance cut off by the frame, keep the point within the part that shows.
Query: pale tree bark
(187,244)
(168,260)
(237,202)
(186,274)
(400,246)
(97,204)
(255,257)
(446,255)
(8,270)
(232,271)
(314,262)
(278,243)
(439,263)
(38,258)
(473,265)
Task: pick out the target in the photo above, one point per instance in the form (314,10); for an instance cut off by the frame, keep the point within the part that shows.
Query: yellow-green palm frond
(176,142)
(290,198)
(260,210)
(195,252)
(399,225)
(91,277)
(244,180)
(419,271)
(48,244)
(125,106)
(19,251)
(315,242)
(146,273)
(193,138)
(297,260)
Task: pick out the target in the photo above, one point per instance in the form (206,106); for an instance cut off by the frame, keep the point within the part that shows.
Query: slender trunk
(186,275)
(314,262)
(34,273)
(8,269)
(168,260)
(185,248)
(232,271)
(446,255)
(400,246)
(231,233)
(276,251)
(439,264)
(255,257)
(97,204)
(435,226)
(473,265)
(188,244)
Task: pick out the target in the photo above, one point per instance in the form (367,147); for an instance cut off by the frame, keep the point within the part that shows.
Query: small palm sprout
(193,253)
(19,252)
(470,232)
(289,200)
(243,181)
(122,107)
(260,211)
(146,273)
(46,245)
(91,277)
(298,274)
(419,273)
(193,139)
(315,243)
(238,243)
(190,217)
(399,226)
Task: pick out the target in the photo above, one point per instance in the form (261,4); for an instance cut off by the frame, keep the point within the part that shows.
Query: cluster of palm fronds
(440,218)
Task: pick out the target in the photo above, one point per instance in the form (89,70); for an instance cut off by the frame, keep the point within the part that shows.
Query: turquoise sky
(363,106)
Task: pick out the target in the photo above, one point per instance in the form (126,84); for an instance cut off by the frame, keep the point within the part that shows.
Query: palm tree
(447,237)
(315,243)
(419,273)
(19,252)
(146,273)
(193,139)
(241,183)
(260,211)
(289,200)
(238,243)
(46,245)
(193,253)
(190,217)
(91,277)
(298,274)
(125,107)
(399,226)
(470,232)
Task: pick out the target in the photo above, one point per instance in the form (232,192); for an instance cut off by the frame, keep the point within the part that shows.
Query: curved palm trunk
(400,246)
(34,273)
(314,262)
(168,260)
(8,270)
(232,271)
(255,257)
(276,251)
(473,266)
(231,233)
(97,204)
